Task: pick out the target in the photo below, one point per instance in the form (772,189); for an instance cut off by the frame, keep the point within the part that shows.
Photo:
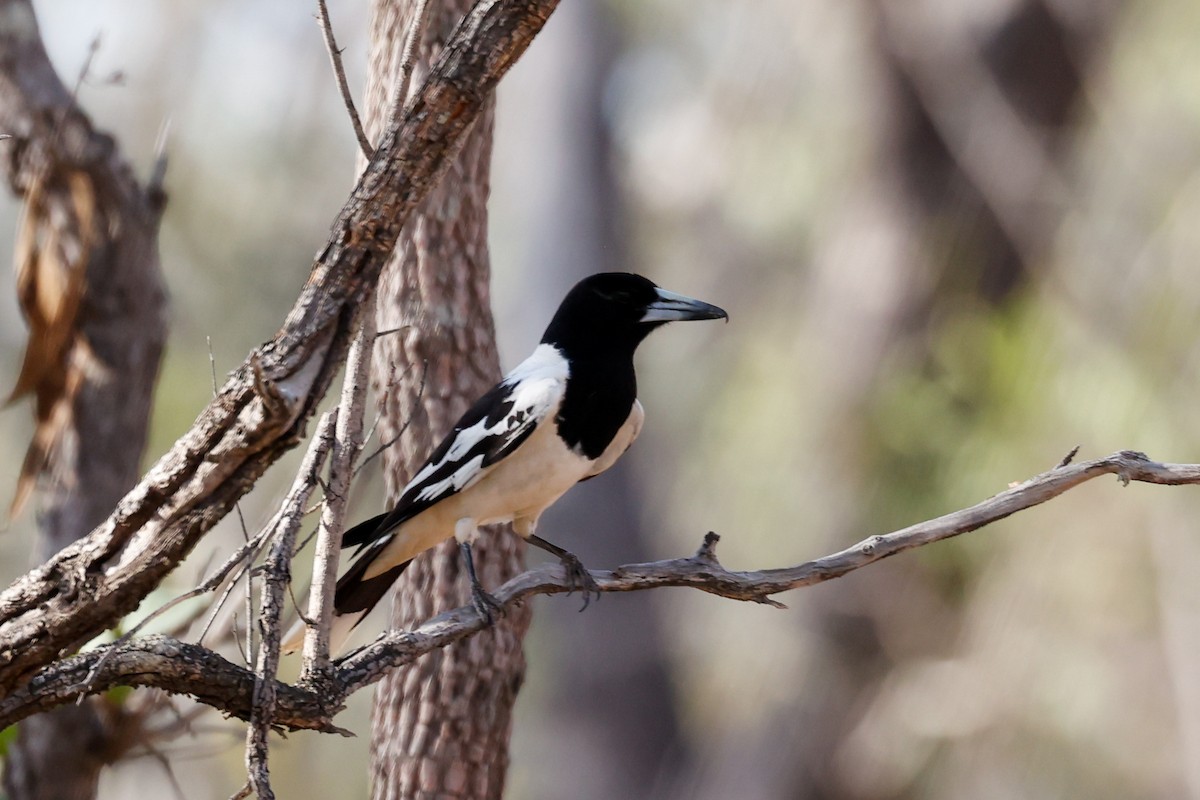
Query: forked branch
(262,409)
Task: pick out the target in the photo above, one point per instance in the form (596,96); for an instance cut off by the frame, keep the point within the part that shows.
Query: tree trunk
(92,292)
(441,726)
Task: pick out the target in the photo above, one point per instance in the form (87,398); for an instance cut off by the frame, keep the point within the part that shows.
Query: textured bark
(261,410)
(441,725)
(92,230)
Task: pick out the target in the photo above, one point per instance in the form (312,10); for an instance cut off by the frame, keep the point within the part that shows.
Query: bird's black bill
(672,307)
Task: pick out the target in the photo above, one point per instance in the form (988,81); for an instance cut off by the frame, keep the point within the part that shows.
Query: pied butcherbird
(563,415)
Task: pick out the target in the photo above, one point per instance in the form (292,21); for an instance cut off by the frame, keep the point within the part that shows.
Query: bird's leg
(484,603)
(578,577)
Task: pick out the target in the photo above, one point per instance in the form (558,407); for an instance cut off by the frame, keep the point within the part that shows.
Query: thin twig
(208,585)
(348,442)
(212,365)
(387,389)
(339,73)
(155,189)
(238,641)
(243,431)
(190,669)
(165,763)
(229,588)
(276,577)
(249,573)
(242,560)
(307,540)
(181,724)
(296,604)
(408,60)
(85,70)
(237,507)
(392,441)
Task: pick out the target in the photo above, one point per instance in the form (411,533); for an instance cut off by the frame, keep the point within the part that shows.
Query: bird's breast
(597,403)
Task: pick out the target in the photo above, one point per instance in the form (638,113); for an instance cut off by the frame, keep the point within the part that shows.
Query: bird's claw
(485,605)
(579,579)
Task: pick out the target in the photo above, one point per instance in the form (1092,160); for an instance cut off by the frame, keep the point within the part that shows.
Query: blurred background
(955,239)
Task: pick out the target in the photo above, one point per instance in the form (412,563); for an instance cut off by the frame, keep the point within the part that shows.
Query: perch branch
(261,411)
(188,669)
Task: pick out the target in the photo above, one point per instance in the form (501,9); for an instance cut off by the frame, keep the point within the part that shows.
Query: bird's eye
(616,296)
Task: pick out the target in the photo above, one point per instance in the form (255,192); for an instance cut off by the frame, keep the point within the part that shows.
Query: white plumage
(564,414)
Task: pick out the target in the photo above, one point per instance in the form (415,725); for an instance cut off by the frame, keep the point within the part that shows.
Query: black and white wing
(491,429)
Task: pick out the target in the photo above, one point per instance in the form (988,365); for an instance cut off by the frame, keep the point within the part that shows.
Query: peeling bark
(261,410)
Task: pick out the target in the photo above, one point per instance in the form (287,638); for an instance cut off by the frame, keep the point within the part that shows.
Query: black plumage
(563,415)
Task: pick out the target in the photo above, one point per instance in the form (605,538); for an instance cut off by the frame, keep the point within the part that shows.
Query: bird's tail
(353,599)
(365,532)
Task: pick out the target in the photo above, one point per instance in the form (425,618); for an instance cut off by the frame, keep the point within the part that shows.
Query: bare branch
(262,408)
(408,60)
(339,72)
(182,668)
(383,446)
(277,576)
(93,50)
(333,517)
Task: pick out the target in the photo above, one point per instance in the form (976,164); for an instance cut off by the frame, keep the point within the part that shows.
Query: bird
(563,415)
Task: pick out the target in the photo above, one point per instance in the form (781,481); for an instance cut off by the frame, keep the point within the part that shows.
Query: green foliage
(7,737)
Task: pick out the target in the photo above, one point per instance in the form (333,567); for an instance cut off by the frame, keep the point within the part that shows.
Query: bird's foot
(485,605)
(579,579)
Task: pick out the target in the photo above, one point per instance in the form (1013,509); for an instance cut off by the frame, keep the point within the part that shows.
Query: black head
(612,312)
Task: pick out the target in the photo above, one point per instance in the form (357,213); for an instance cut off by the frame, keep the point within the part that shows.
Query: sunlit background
(955,239)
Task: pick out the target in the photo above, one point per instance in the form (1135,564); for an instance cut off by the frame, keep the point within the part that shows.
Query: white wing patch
(535,389)
(455,483)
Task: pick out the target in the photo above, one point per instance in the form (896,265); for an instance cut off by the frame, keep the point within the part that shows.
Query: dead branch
(408,61)
(182,668)
(262,409)
(276,579)
(339,74)
(347,445)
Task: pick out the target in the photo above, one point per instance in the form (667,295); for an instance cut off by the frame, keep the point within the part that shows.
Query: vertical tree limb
(347,443)
(276,577)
